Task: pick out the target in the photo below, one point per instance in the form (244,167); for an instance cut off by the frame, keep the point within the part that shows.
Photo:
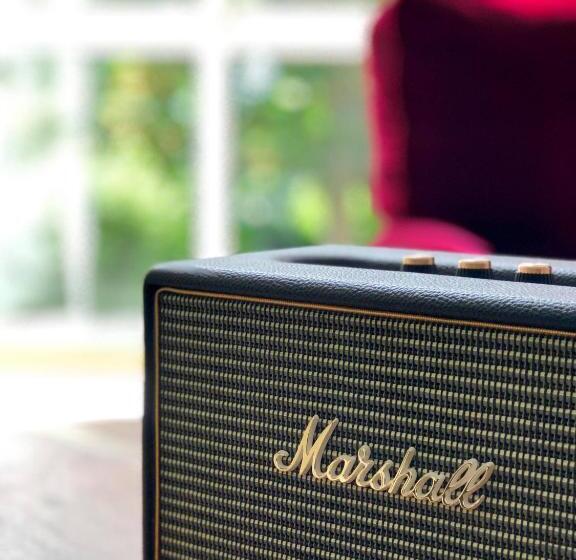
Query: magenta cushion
(415,233)
(474,122)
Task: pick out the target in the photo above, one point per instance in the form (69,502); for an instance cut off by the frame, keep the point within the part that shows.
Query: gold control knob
(534,268)
(418,262)
(474,264)
(535,272)
(475,268)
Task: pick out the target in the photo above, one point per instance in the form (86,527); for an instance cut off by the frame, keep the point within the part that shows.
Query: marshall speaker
(345,403)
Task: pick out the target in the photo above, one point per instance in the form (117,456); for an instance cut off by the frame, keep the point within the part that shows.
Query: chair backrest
(474,118)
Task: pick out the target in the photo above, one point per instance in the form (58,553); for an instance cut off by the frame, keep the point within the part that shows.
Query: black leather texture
(370,278)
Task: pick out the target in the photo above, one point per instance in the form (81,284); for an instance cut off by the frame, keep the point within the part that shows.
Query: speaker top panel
(386,280)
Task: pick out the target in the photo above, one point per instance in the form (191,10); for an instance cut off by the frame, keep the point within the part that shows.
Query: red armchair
(473,105)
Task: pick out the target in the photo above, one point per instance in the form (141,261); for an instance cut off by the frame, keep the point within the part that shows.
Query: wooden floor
(71,494)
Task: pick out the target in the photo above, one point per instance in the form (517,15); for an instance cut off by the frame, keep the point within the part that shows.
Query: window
(158,130)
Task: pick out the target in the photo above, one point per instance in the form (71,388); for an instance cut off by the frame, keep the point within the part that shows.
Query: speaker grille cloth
(238,381)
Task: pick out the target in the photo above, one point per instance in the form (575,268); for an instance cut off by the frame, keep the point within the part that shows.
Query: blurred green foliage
(141,182)
(300,173)
(301,176)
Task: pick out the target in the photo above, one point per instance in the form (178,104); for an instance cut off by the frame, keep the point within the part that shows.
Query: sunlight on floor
(55,373)
(38,402)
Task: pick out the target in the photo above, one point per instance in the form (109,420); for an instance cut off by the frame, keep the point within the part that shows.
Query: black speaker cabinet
(336,403)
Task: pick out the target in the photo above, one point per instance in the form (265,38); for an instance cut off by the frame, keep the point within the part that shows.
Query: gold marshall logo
(462,488)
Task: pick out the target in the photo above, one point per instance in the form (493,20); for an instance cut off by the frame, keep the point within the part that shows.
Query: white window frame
(210,34)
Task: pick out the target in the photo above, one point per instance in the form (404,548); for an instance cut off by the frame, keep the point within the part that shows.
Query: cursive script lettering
(461,489)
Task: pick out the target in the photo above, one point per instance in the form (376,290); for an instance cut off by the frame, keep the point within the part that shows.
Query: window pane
(141,183)
(30,248)
(326,2)
(143,2)
(303,156)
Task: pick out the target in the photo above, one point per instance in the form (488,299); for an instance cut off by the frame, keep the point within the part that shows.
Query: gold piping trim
(156,431)
(301,305)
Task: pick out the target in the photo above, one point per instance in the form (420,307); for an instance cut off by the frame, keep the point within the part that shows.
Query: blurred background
(133,132)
